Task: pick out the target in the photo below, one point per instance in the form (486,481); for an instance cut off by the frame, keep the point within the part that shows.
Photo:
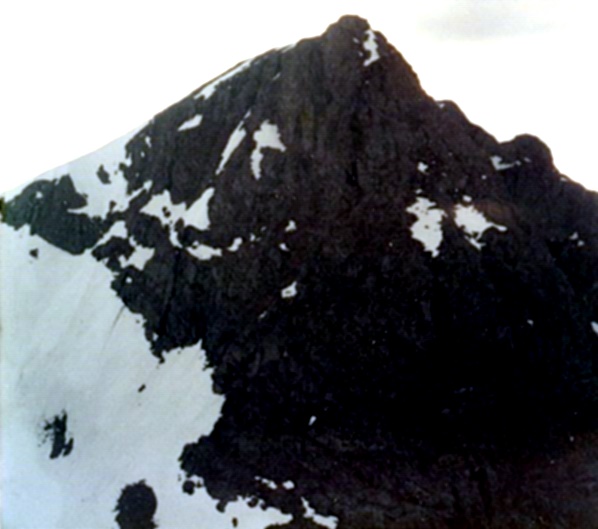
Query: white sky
(75,75)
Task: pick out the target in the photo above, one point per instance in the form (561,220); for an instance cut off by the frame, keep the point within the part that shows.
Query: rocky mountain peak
(395,308)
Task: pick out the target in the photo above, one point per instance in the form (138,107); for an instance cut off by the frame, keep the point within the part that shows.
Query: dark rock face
(400,310)
(56,431)
(136,507)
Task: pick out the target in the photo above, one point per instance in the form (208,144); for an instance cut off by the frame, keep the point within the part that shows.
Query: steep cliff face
(400,313)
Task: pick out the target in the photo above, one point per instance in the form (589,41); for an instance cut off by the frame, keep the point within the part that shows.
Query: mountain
(306,295)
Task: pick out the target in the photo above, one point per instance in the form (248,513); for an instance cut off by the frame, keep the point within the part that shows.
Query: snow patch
(427,229)
(595,327)
(140,256)
(288,485)
(422,167)
(499,165)
(268,482)
(191,123)
(291,226)
(208,90)
(267,136)
(197,215)
(204,252)
(284,247)
(370,46)
(326,521)
(236,244)
(474,224)
(234,141)
(290,291)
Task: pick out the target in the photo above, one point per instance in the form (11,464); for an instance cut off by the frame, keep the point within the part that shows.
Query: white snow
(467,198)
(198,214)
(284,247)
(530,323)
(499,165)
(267,136)
(290,291)
(208,90)
(427,229)
(268,482)
(370,46)
(595,327)
(326,521)
(233,142)
(474,224)
(68,343)
(161,207)
(204,252)
(236,244)
(574,236)
(422,167)
(191,123)
(288,485)
(312,420)
(118,229)
(291,226)
(83,173)
(88,357)
(258,517)
(139,257)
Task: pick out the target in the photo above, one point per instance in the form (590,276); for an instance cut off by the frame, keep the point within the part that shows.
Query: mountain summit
(308,294)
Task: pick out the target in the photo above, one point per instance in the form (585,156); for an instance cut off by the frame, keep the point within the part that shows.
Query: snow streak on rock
(330,522)
(266,137)
(234,141)
(371,46)
(499,165)
(204,252)
(191,123)
(474,224)
(290,291)
(208,90)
